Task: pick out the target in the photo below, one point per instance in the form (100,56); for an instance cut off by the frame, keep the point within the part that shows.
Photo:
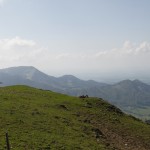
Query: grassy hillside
(132,97)
(44,120)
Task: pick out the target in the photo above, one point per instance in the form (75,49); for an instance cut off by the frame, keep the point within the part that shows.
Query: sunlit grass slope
(44,120)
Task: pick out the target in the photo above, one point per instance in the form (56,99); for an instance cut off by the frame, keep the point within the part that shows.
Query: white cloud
(15,42)
(130,58)
(17,50)
(129,61)
(127,49)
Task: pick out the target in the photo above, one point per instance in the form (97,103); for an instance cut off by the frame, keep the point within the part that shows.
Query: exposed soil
(113,138)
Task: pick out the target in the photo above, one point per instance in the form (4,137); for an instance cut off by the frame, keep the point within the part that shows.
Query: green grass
(43,120)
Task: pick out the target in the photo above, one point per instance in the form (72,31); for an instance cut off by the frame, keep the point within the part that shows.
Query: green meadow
(42,120)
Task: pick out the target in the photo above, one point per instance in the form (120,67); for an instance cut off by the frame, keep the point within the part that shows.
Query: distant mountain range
(131,96)
(33,77)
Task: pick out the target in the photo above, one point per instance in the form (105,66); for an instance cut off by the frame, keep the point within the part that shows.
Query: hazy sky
(92,39)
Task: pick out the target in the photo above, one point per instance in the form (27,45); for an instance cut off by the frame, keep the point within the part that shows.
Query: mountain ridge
(131,96)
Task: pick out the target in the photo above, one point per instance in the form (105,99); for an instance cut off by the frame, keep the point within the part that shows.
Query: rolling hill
(132,97)
(38,119)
